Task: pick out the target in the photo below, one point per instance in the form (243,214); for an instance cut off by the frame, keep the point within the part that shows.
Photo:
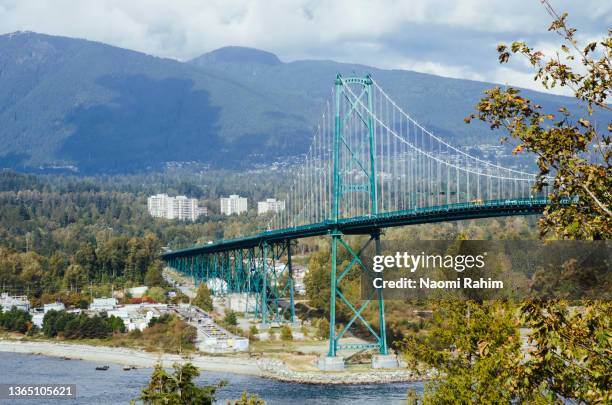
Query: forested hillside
(86,107)
(59,233)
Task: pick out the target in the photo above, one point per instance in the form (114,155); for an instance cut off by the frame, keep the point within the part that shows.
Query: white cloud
(457,72)
(445,37)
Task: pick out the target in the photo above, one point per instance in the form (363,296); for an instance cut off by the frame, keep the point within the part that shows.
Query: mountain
(68,102)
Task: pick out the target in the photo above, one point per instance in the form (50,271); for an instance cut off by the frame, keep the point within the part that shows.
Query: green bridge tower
(345,162)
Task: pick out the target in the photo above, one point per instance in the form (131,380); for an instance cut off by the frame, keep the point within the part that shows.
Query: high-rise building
(179,207)
(234,204)
(157,205)
(270,205)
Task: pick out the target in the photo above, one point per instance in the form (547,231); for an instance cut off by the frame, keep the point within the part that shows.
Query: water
(116,386)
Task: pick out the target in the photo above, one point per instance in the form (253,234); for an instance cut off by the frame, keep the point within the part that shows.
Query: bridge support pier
(385,361)
(329,363)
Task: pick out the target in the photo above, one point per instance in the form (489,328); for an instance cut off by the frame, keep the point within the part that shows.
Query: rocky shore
(264,367)
(278,370)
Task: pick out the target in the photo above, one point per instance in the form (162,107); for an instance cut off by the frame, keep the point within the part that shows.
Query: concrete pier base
(327,363)
(384,361)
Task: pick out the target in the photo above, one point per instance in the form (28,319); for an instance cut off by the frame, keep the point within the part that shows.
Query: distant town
(137,314)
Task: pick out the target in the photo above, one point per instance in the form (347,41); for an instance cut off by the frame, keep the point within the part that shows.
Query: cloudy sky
(454,38)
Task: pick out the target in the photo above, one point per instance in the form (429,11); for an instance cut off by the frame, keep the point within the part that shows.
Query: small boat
(102,368)
(127,368)
(67,358)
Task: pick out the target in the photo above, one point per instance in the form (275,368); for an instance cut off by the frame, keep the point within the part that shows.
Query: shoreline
(263,367)
(129,357)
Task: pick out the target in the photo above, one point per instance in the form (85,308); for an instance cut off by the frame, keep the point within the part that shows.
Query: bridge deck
(370,224)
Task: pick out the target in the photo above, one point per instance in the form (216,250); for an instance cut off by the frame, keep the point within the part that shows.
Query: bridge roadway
(371,224)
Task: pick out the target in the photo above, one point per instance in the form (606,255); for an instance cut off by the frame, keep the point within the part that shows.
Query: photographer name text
(415,262)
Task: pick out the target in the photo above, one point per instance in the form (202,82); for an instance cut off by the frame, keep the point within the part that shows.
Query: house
(103,304)
(20,302)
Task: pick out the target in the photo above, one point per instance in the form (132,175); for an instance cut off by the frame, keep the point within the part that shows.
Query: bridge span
(370,166)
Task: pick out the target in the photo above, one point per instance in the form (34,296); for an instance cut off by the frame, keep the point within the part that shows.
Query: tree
(116,324)
(318,280)
(54,322)
(154,276)
(31,269)
(570,148)
(85,257)
(15,320)
(75,277)
(474,346)
(79,326)
(203,298)
(247,399)
(570,360)
(178,388)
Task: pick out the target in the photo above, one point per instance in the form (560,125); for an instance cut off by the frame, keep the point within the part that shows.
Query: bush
(231,319)
(171,334)
(323,328)
(179,298)
(135,334)
(253,333)
(164,318)
(285,333)
(157,294)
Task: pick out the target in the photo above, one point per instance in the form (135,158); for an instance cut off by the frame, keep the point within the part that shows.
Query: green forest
(62,233)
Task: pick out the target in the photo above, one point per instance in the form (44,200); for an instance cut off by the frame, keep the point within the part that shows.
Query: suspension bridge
(370,166)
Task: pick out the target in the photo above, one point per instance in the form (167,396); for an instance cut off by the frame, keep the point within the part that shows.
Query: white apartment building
(270,205)
(234,204)
(179,207)
(157,205)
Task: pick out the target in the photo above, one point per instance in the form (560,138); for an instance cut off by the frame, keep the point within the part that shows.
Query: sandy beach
(123,356)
